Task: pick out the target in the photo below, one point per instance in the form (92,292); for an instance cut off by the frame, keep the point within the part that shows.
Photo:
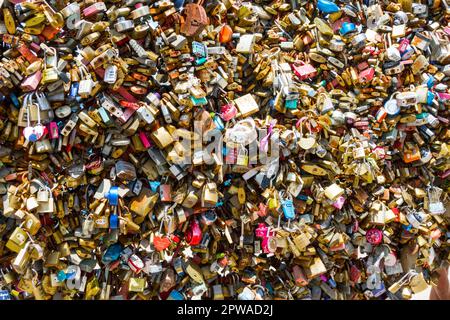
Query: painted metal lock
(366,75)
(31,82)
(195,21)
(165,194)
(194,233)
(304,70)
(406,99)
(287,206)
(228,111)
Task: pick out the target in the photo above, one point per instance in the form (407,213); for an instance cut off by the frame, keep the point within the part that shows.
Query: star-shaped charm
(187,252)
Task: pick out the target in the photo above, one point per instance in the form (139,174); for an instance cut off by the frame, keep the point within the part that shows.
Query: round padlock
(374,236)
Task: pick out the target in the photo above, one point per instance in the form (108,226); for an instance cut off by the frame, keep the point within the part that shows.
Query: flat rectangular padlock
(145,142)
(165,193)
(17,240)
(145,115)
(246,105)
(366,75)
(162,138)
(405,99)
(304,70)
(31,82)
(70,125)
(108,104)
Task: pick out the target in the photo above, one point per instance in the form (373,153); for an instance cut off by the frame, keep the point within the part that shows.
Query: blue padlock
(198,101)
(175,295)
(218,122)
(431,81)
(4,295)
(346,28)
(113,221)
(327,6)
(154,185)
(113,196)
(178,4)
(14,100)
(74,90)
(112,253)
(288,208)
(332,283)
(430,98)
(200,61)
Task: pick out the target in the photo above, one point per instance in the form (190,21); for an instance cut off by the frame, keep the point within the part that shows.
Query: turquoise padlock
(287,206)
(291,104)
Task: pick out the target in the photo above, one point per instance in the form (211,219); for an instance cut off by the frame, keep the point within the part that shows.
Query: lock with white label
(110,74)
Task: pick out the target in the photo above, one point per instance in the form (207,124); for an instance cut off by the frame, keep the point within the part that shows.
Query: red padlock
(194,234)
(366,75)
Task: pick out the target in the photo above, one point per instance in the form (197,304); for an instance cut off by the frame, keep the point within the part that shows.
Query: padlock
(287,206)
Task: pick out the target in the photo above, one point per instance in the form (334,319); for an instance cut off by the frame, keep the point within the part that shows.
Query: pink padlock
(53,130)
(31,82)
(403,45)
(145,142)
(126,115)
(231,156)
(339,203)
(94,9)
(228,112)
(268,242)
(304,70)
(366,75)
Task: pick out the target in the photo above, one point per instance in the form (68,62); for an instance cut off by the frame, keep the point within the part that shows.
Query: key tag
(435,206)
(306,143)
